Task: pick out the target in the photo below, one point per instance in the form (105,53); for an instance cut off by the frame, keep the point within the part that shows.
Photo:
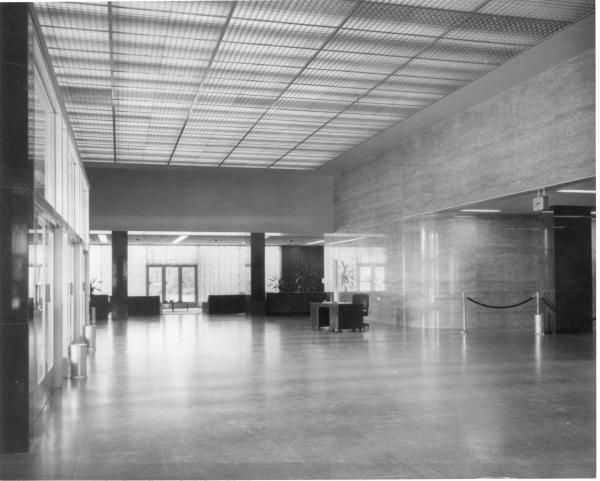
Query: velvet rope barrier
(553,309)
(501,307)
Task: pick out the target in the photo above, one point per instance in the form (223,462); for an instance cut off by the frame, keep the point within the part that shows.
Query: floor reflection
(197,396)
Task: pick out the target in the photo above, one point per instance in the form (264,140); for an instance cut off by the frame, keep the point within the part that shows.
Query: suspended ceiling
(272,84)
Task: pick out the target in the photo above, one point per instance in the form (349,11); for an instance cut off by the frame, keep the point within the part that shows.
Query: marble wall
(428,261)
(537,133)
(495,259)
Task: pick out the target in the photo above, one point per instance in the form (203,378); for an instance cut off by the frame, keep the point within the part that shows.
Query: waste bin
(89,333)
(77,356)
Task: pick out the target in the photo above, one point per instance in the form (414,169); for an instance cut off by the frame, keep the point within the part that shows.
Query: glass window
(40,133)
(155,281)
(172,283)
(188,284)
(379,278)
(372,278)
(365,278)
(58,165)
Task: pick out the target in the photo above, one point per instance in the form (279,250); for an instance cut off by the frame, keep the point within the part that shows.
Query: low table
(174,304)
(336,315)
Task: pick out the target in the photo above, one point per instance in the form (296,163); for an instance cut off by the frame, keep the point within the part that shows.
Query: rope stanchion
(501,307)
(538,318)
(464,304)
(474,301)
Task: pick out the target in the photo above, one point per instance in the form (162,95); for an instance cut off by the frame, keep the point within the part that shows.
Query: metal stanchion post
(464,302)
(93,315)
(538,318)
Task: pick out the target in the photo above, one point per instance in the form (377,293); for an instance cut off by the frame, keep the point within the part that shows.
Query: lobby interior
(199,172)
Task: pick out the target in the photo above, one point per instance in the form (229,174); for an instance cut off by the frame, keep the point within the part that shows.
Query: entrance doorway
(173,283)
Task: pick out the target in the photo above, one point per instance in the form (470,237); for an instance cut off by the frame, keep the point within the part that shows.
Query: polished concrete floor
(197,396)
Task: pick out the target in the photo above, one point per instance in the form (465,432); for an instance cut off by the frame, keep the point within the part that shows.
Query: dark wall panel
(573,268)
(16,209)
(257,273)
(307,259)
(119,273)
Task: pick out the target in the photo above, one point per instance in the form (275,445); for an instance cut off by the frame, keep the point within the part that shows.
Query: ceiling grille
(272,84)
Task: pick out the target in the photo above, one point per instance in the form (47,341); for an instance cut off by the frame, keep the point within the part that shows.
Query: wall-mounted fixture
(482,211)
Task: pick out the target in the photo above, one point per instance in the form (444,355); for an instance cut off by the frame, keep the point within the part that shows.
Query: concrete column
(257,273)
(16,215)
(119,275)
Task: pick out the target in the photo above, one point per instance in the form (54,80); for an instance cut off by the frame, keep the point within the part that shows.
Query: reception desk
(336,315)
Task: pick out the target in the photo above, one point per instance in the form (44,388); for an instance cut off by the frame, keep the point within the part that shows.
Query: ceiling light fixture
(482,211)
(103,238)
(576,191)
(346,240)
(315,242)
(179,239)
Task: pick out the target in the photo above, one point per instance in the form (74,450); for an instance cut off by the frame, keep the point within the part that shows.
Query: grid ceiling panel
(357,62)
(379,43)
(242,31)
(183,9)
(557,10)
(307,12)
(458,5)
(287,84)
(403,19)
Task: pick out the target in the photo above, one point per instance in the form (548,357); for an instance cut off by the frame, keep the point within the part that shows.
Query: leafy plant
(346,276)
(94,285)
(276,282)
(283,283)
(308,278)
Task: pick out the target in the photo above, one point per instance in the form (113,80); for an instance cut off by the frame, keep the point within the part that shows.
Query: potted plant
(99,301)
(346,276)
(308,278)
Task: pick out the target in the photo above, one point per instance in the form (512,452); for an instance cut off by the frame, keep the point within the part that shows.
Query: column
(257,273)
(573,268)
(16,215)
(119,275)
(77,291)
(86,288)
(60,359)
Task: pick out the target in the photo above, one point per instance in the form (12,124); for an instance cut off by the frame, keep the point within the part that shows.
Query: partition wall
(58,237)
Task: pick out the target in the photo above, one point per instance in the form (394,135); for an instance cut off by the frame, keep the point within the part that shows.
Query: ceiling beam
(112,80)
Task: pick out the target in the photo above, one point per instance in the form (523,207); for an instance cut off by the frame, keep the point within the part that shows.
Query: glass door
(172,286)
(188,284)
(173,283)
(155,282)
(41,282)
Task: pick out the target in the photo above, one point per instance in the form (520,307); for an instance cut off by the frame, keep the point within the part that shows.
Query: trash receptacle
(89,333)
(77,356)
